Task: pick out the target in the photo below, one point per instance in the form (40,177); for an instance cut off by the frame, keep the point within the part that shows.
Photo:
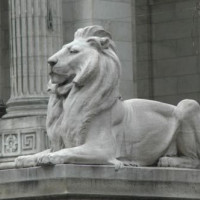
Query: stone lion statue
(89,123)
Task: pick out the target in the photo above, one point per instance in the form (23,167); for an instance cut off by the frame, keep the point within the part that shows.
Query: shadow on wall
(2,108)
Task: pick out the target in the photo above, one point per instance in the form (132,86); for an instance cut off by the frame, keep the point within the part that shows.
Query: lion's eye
(74,51)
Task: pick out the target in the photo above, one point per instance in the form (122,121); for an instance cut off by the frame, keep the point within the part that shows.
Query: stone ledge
(99,182)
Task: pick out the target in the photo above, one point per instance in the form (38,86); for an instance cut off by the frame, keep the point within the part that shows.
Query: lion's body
(87,122)
(145,123)
(136,131)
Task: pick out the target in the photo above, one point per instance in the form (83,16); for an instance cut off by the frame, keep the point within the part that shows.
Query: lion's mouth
(68,80)
(61,79)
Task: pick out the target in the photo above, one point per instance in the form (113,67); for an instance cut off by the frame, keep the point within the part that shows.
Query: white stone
(89,123)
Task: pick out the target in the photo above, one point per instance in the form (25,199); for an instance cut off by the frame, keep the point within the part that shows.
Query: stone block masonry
(168,49)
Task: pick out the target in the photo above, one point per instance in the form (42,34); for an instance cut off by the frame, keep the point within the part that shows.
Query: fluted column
(35,34)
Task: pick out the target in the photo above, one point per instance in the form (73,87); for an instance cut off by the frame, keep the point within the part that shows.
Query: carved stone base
(22,136)
(99,182)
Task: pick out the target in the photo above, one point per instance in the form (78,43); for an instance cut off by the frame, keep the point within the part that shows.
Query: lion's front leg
(81,154)
(84,154)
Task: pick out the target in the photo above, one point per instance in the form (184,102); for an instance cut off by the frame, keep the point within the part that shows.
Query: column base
(30,106)
(22,136)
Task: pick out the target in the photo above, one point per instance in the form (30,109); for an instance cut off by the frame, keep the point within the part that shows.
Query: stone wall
(168,49)
(4,52)
(115,17)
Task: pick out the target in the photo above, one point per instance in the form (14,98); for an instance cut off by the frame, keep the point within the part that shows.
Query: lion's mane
(99,89)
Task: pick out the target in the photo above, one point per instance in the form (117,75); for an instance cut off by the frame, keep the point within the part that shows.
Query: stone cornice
(86,181)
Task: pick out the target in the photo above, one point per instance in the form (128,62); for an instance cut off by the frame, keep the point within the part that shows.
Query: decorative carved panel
(22,142)
(11,144)
(28,142)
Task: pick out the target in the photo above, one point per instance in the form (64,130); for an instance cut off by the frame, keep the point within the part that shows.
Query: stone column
(35,34)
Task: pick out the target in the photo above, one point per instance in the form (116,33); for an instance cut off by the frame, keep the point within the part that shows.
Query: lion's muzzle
(52,61)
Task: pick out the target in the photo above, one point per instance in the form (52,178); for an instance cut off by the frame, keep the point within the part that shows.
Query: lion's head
(86,74)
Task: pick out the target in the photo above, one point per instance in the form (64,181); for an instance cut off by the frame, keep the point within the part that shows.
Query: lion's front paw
(50,159)
(25,161)
(19,161)
(131,163)
(43,160)
(118,164)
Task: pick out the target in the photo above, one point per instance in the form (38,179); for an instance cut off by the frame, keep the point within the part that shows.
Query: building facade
(157,42)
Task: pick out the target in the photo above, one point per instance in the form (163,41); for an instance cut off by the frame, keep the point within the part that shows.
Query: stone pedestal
(99,182)
(35,34)
(22,136)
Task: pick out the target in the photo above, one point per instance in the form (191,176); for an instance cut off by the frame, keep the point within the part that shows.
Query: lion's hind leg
(179,162)
(187,137)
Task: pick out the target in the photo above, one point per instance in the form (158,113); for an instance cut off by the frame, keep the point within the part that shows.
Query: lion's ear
(105,41)
(100,43)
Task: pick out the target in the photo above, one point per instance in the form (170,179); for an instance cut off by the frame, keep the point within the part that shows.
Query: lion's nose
(52,61)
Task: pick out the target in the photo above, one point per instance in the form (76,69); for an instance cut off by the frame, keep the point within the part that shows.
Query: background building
(157,42)
(167,33)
